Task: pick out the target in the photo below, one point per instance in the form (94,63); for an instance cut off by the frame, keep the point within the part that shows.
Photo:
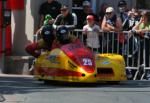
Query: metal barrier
(134,48)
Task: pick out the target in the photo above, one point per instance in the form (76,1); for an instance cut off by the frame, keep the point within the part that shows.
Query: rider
(45,43)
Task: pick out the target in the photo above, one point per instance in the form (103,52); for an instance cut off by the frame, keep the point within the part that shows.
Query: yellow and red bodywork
(64,66)
(75,63)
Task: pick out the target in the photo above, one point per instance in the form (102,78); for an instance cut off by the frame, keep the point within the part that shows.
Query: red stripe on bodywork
(57,72)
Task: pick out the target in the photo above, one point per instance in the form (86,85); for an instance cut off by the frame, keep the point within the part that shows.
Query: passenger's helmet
(62,34)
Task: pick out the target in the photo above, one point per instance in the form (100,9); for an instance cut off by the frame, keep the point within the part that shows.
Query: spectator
(47,22)
(50,7)
(66,18)
(47,19)
(123,10)
(131,44)
(133,18)
(91,31)
(142,28)
(101,13)
(110,21)
(123,13)
(143,25)
(87,10)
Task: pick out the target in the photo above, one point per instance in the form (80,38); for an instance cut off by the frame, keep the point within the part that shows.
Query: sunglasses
(108,13)
(63,10)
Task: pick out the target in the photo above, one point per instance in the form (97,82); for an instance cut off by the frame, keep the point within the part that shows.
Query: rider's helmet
(62,34)
(48,34)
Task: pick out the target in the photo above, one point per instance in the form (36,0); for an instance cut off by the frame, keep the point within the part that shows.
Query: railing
(134,48)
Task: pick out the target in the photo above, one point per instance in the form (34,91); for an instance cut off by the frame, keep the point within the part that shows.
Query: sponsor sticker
(105,62)
(54,59)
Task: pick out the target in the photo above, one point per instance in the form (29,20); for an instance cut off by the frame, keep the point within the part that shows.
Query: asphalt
(9,92)
(25,89)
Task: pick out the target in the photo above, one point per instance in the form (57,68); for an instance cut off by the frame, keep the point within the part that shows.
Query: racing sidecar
(76,63)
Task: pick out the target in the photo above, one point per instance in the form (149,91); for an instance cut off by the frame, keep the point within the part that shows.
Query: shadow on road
(10,85)
(22,85)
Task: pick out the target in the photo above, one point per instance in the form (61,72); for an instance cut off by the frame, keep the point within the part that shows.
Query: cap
(109,9)
(48,17)
(90,17)
(64,7)
(86,3)
(122,3)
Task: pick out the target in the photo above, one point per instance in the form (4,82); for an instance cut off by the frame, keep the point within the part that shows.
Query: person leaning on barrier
(132,19)
(66,18)
(143,30)
(110,21)
(91,33)
(131,41)
(144,24)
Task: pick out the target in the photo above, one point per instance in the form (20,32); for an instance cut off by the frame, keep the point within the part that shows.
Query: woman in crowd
(142,29)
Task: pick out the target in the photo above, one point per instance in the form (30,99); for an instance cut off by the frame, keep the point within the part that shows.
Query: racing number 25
(87,62)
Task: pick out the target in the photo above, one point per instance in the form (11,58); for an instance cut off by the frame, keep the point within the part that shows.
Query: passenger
(91,33)
(63,37)
(66,18)
(50,7)
(45,43)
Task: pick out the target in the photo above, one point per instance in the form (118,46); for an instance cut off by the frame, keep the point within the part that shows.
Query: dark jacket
(70,21)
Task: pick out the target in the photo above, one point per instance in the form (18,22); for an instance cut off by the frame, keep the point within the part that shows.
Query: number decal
(87,62)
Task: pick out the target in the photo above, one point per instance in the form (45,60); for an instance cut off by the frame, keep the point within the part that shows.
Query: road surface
(25,89)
